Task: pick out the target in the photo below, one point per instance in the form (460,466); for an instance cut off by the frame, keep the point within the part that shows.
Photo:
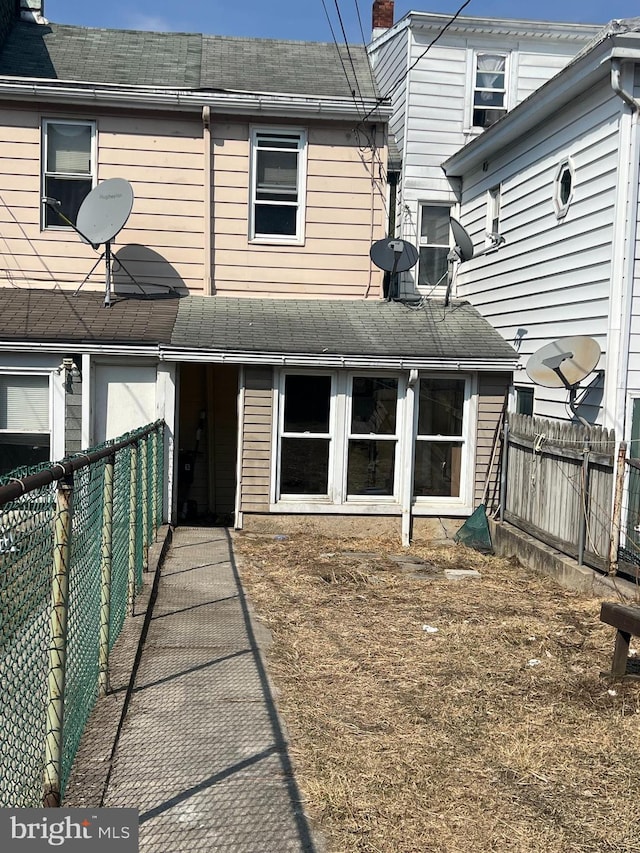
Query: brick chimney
(382,14)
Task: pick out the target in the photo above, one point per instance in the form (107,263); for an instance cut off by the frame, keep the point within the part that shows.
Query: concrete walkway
(201,753)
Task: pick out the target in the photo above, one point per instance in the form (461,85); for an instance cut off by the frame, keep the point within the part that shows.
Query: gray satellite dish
(463,245)
(393,256)
(563,364)
(101,217)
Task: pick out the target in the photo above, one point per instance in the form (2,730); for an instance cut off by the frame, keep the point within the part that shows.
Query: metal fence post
(58,643)
(105,574)
(584,503)
(144,462)
(133,523)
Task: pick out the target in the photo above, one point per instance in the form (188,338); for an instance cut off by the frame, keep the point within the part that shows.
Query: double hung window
(489,89)
(434,245)
(306,434)
(440,437)
(68,167)
(25,432)
(278,179)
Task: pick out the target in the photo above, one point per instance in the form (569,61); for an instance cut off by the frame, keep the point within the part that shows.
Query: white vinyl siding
(432,115)
(551,278)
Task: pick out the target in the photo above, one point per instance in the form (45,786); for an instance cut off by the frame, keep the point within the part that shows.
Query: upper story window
(434,245)
(68,172)
(489,88)
(278,183)
(493,215)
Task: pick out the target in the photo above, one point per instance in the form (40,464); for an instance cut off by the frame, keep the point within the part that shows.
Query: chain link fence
(73,547)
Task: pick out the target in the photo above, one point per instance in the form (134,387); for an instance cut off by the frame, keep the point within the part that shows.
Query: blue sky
(305,19)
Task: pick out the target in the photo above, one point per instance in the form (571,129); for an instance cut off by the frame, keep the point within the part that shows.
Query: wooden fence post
(616,515)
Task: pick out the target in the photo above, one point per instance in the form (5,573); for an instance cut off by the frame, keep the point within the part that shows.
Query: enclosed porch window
(440,441)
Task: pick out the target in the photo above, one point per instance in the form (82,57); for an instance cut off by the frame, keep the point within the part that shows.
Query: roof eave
(183,99)
(536,29)
(336,360)
(560,90)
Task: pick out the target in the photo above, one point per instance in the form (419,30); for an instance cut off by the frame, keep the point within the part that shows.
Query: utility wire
(348,49)
(405,74)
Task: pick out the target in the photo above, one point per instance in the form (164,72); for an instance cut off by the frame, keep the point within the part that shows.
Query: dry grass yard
(495,733)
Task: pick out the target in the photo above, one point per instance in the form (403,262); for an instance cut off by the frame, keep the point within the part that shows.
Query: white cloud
(153,23)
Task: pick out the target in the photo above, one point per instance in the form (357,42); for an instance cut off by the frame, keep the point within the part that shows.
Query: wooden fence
(559,485)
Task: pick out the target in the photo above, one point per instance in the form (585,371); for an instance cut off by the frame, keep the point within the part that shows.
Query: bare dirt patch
(493,733)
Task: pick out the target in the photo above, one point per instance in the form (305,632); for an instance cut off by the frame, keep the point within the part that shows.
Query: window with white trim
(25,428)
(440,438)
(68,167)
(434,245)
(338,437)
(563,187)
(489,88)
(373,436)
(278,185)
(306,434)
(493,214)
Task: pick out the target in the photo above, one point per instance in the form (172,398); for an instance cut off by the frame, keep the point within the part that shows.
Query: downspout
(208,177)
(623,260)
(409,440)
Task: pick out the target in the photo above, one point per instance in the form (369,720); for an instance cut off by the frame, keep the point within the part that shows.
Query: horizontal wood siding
(163,239)
(256,443)
(551,277)
(345,212)
(492,393)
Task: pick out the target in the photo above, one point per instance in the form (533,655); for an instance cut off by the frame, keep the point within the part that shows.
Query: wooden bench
(627,620)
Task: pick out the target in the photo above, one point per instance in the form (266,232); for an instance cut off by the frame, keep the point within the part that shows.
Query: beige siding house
(242,305)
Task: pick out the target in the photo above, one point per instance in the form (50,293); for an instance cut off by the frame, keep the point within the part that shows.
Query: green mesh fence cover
(475,531)
(25,596)
(26,567)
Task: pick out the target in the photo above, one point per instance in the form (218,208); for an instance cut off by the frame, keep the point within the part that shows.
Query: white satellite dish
(564,364)
(101,217)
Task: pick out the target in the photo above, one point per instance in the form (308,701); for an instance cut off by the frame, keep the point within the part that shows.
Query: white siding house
(566,162)
(447,93)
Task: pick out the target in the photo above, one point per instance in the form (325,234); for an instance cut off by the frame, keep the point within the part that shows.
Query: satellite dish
(463,244)
(563,363)
(101,217)
(105,210)
(393,255)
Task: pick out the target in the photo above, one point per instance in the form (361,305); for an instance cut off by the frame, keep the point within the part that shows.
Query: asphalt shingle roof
(337,327)
(368,328)
(60,316)
(185,61)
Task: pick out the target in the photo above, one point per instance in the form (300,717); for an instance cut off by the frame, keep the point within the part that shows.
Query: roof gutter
(336,360)
(149,351)
(185,99)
